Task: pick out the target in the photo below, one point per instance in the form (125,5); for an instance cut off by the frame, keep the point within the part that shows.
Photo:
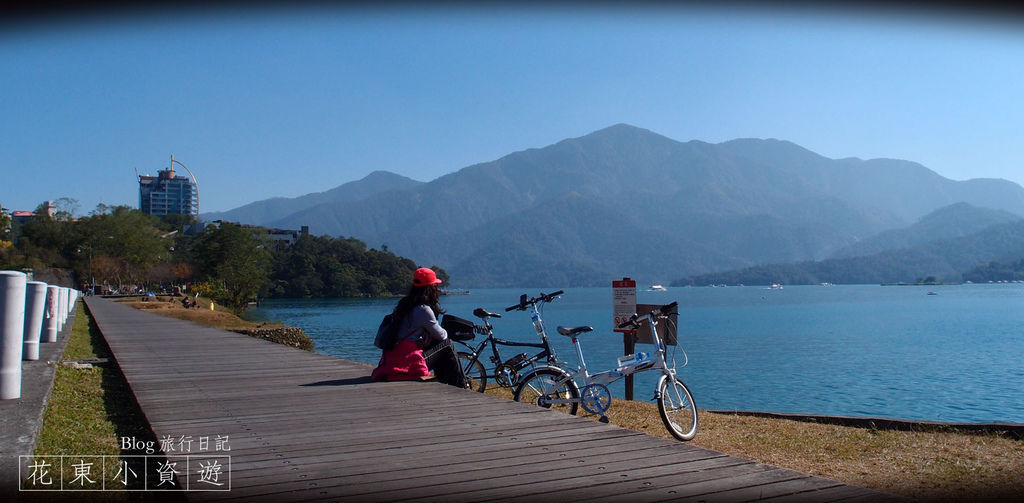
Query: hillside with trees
(123,250)
(997,272)
(966,258)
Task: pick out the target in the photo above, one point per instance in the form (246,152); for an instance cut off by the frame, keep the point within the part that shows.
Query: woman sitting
(417,330)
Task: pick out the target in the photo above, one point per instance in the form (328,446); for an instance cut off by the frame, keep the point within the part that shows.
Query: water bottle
(628,360)
(537,324)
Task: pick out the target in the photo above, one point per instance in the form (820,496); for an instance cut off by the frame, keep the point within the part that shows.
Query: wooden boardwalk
(307,427)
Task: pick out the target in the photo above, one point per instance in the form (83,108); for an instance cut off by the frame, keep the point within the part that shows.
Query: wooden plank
(707,489)
(612,481)
(504,455)
(774,489)
(387,475)
(426,486)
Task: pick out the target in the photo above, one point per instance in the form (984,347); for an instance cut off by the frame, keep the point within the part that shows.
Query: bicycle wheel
(531,390)
(675,404)
(475,373)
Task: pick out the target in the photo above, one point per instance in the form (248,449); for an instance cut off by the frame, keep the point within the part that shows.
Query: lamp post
(194,182)
(92,274)
(91,243)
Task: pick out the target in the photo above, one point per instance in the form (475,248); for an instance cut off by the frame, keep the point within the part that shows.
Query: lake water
(956,354)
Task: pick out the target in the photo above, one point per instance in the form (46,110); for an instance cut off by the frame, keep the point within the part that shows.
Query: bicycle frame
(607,377)
(549,386)
(496,359)
(511,375)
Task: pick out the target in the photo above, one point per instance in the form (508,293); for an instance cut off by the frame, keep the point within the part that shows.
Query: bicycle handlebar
(523,301)
(552,296)
(521,305)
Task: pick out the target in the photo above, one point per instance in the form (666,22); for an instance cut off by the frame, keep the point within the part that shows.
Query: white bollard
(52,294)
(62,309)
(67,305)
(12,326)
(35,301)
(71,303)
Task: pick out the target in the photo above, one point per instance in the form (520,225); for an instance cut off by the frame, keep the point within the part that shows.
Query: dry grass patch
(919,465)
(221,318)
(218,317)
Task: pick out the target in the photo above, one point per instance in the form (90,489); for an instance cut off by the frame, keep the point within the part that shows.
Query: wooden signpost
(624,307)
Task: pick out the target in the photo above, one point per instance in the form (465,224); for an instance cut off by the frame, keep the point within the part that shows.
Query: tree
(5,227)
(47,240)
(124,236)
(321,266)
(66,208)
(230,256)
(176,222)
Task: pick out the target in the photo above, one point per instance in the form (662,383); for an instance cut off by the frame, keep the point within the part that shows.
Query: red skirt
(403,363)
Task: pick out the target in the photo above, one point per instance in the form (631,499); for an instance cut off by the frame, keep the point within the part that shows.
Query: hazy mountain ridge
(627,201)
(953,221)
(947,260)
(268,210)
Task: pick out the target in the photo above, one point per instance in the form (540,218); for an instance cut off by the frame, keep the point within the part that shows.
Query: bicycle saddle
(571,331)
(482,313)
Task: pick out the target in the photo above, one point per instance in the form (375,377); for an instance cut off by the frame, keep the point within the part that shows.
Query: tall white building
(168,194)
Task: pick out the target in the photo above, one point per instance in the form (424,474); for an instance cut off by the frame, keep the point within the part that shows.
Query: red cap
(425,276)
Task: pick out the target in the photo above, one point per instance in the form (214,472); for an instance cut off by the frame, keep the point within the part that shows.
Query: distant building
(168,194)
(24,216)
(287,236)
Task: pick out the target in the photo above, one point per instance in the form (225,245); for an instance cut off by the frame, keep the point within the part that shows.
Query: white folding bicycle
(550,387)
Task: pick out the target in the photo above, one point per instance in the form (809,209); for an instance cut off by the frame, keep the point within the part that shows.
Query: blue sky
(261,103)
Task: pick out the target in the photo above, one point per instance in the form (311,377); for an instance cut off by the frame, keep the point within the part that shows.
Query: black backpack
(386,333)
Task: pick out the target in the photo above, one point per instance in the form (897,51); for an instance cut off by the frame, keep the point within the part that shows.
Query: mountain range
(625,201)
(268,210)
(905,256)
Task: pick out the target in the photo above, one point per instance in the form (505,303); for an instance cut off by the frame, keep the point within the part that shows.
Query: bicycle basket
(458,329)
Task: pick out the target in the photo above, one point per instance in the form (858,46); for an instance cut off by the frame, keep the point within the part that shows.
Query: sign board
(623,302)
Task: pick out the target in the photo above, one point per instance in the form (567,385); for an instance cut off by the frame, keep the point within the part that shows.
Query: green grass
(89,411)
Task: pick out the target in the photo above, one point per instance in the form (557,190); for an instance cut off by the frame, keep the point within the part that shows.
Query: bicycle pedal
(604,419)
